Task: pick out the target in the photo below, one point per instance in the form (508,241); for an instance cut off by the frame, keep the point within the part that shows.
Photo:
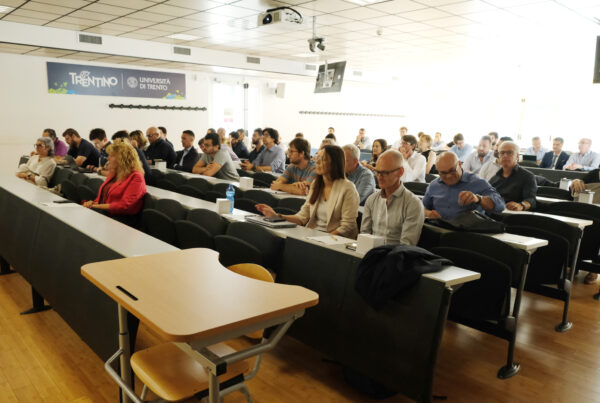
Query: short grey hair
(395,155)
(328,142)
(48,143)
(354,151)
(511,144)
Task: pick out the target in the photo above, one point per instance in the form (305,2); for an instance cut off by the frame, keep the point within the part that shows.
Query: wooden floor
(43,360)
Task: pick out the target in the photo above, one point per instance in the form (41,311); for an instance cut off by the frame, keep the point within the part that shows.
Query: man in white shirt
(490,168)
(585,159)
(476,159)
(415,162)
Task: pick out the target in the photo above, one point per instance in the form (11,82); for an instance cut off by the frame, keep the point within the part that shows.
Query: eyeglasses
(450,172)
(384,173)
(507,152)
(38,145)
(291,151)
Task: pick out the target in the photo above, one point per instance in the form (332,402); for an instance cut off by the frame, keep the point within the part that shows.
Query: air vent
(93,39)
(311,67)
(357,73)
(178,50)
(254,60)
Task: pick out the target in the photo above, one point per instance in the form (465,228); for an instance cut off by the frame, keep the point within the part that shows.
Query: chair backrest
(265,177)
(252,270)
(60,175)
(85,193)
(157,174)
(243,172)
(212,196)
(191,235)
(269,244)
(94,184)
(590,243)
(176,178)
(417,188)
(190,191)
(209,220)
(260,196)
(149,202)
(69,191)
(159,225)
(79,179)
(248,205)
(200,183)
(233,250)
(430,178)
(485,299)
(556,193)
(166,184)
(260,184)
(292,203)
(514,258)
(171,208)
(222,188)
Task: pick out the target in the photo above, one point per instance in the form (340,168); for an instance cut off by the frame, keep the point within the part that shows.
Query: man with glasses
(393,212)
(363,179)
(415,163)
(298,176)
(516,185)
(40,167)
(585,159)
(216,160)
(489,169)
(557,158)
(456,191)
(159,149)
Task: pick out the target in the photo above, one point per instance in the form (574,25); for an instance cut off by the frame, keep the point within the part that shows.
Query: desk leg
(37,302)
(213,388)
(125,347)
(5,267)
(565,324)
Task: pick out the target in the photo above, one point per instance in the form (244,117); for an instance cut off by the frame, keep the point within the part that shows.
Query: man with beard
(489,169)
(475,161)
(257,142)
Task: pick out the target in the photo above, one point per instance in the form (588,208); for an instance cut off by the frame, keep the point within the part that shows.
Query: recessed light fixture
(365,2)
(183,37)
(5,9)
(304,55)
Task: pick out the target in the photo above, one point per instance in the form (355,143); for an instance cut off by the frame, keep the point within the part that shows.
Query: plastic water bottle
(230,193)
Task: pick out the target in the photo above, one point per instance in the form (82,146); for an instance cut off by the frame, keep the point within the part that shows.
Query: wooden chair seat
(174,375)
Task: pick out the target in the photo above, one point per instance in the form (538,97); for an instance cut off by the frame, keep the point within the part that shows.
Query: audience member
(257,143)
(224,146)
(244,137)
(272,158)
(300,173)
(536,149)
(138,140)
(585,159)
(40,167)
(327,142)
(238,146)
(428,153)
(100,141)
(123,191)
(159,149)
(82,151)
(489,169)
(516,185)
(201,145)
(332,203)
(299,135)
(362,141)
(186,159)
(456,191)
(393,212)
(494,137)
(163,135)
(330,130)
(216,161)
(124,136)
(475,161)
(332,137)
(415,163)
(379,147)
(460,148)
(557,158)
(60,148)
(438,143)
(360,176)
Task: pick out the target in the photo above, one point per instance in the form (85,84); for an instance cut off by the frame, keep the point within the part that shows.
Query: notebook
(260,220)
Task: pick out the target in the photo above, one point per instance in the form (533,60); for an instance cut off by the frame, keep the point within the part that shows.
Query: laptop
(260,220)
(530,158)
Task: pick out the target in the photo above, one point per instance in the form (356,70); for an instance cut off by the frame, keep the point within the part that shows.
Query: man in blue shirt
(300,173)
(272,158)
(460,148)
(456,191)
(363,179)
(536,149)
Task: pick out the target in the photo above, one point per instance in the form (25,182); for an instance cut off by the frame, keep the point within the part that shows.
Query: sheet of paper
(329,239)
(50,204)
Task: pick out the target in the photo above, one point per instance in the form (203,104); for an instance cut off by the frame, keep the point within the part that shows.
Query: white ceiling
(382,34)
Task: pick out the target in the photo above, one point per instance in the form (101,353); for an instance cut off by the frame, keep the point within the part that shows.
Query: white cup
(565,184)
(246,183)
(366,242)
(585,197)
(223,206)
(161,165)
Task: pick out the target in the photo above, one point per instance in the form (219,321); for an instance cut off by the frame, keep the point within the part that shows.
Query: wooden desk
(188,296)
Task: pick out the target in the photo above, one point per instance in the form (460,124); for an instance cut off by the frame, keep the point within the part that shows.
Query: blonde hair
(139,137)
(127,157)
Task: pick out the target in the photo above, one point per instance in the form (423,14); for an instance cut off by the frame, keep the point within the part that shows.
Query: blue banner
(78,79)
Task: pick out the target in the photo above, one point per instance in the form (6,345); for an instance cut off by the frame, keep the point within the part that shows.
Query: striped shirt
(294,174)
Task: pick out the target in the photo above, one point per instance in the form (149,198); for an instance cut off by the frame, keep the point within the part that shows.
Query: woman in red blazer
(122,193)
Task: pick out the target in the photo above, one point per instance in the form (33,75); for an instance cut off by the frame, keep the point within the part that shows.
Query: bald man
(516,185)
(159,149)
(585,159)
(393,212)
(456,191)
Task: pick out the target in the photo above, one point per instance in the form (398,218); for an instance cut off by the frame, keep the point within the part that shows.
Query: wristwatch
(479,197)
(524,205)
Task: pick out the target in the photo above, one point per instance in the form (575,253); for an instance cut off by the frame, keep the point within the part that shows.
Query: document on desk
(329,239)
(51,204)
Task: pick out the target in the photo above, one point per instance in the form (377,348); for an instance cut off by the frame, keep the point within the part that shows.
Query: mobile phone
(63,201)
(351,246)
(274,219)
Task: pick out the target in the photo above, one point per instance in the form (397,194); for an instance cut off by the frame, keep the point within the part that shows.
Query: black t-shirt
(520,186)
(87,150)
(161,150)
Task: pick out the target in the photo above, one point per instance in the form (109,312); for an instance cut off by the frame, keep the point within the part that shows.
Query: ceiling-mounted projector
(278,15)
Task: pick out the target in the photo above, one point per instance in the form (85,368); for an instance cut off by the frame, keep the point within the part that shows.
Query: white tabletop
(576,222)
(114,235)
(553,200)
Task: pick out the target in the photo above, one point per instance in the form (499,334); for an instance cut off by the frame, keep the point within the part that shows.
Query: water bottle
(229,194)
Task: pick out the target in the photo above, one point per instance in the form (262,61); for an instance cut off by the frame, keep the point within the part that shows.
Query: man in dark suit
(159,149)
(186,159)
(556,158)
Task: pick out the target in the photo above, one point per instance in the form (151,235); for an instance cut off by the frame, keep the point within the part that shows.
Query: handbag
(471,221)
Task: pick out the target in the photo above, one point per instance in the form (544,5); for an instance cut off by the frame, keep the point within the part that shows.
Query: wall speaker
(280,91)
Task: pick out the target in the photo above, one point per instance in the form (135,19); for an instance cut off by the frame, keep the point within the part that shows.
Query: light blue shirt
(274,157)
(444,199)
(589,160)
(462,153)
(473,164)
(539,155)
(363,180)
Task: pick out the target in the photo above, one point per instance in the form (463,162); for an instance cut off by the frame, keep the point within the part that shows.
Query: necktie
(554,159)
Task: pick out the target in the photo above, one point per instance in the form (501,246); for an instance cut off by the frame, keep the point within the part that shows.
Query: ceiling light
(366,2)
(183,37)
(5,9)
(304,55)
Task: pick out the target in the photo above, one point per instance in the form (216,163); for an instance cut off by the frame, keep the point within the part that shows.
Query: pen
(332,237)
